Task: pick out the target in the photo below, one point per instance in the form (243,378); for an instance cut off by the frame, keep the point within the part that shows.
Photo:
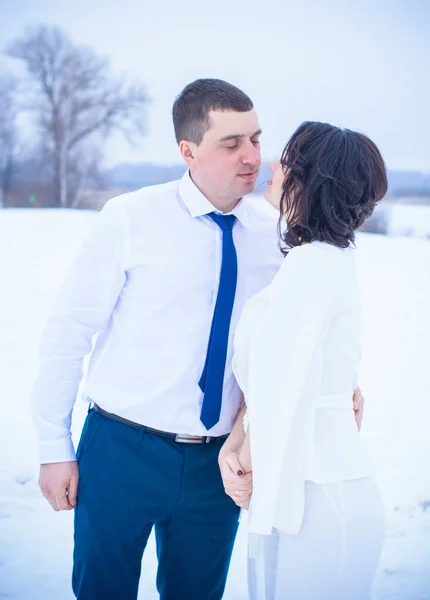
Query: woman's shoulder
(318,260)
(319,252)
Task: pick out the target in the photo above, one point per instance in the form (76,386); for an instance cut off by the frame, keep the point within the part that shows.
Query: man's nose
(251,156)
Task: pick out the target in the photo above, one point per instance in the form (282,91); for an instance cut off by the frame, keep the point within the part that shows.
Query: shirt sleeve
(82,309)
(280,400)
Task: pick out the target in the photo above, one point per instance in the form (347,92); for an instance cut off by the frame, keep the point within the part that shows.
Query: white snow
(36,247)
(409,220)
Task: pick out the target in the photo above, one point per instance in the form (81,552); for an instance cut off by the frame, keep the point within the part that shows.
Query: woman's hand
(237,483)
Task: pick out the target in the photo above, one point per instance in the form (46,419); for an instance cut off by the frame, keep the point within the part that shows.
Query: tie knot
(224,221)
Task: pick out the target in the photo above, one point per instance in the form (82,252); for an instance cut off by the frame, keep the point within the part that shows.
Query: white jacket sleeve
(82,309)
(281,386)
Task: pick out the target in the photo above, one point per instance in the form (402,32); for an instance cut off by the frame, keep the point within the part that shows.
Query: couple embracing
(225,348)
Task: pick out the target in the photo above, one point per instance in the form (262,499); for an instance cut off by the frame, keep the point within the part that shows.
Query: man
(160,280)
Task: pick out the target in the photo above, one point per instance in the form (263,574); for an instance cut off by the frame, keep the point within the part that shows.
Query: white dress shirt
(296,357)
(145,284)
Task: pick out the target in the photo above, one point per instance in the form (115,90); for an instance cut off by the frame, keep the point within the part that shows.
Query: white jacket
(296,357)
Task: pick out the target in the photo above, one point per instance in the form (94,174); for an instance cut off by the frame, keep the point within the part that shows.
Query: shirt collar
(198,205)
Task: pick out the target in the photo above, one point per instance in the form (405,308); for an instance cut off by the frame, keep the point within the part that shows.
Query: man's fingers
(58,499)
(358,399)
(53,502)
(62,502)
(58,483)
(72,491)
(358,404)
(49,496)
(358,414)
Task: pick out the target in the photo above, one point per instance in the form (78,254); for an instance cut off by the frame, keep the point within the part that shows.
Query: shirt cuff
(55,451)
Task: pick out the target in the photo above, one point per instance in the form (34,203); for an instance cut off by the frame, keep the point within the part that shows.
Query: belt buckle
(183,438)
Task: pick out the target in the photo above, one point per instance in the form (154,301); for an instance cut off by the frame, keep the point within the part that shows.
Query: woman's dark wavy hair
(333,181)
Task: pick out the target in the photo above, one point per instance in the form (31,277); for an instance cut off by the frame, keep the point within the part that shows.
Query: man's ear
(187,150)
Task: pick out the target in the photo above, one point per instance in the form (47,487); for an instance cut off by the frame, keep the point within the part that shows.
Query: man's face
(226,163)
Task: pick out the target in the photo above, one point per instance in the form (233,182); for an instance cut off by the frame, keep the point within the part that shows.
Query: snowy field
(36,247)
(409,220)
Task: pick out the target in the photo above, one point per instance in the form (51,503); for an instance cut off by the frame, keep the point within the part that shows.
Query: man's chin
(247,187)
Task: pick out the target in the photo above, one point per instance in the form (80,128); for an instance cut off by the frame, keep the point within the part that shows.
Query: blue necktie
(212,379)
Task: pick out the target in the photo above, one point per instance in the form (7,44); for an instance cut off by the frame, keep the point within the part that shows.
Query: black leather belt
(181,438)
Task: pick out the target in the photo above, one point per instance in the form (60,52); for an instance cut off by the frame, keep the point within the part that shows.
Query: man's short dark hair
(191,108)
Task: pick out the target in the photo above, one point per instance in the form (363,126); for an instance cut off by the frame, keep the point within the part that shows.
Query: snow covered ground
(36,248)
(409,220)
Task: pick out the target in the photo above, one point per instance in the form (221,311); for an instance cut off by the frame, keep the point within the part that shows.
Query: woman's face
(274,190)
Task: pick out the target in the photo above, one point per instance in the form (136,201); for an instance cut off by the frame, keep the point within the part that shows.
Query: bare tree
(8,133)
(84,171)
(75,98)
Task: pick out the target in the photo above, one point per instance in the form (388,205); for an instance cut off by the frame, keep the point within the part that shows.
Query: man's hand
(237,484)
(59,484)
(358,403)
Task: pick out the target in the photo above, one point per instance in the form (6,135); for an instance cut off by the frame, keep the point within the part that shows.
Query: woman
(316,519)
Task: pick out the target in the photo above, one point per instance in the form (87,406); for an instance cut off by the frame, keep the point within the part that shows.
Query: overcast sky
(363,65)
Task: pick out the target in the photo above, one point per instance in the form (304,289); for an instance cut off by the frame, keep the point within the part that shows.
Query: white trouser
(335,555)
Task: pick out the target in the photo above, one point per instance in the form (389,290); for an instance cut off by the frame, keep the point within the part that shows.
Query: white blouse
(296,357)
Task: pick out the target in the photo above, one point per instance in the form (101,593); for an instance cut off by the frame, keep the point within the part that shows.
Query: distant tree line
(68,98)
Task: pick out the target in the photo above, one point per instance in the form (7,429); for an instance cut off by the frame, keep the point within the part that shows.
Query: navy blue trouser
(132,480)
